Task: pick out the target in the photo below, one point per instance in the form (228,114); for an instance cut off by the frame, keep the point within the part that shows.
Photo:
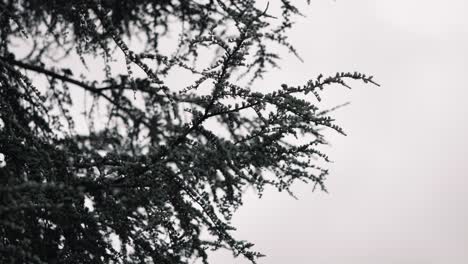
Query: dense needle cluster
(153,184)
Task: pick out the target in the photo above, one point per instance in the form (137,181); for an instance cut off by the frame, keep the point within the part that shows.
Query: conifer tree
(149,182)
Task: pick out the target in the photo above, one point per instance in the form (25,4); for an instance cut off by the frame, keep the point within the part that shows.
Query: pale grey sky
(398,182)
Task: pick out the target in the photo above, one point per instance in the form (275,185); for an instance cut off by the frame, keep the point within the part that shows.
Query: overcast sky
(397,187)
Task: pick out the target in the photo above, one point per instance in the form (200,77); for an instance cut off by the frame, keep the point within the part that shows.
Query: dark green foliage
(155,174)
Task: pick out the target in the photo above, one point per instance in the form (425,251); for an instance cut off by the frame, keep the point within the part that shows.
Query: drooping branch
(52,74)
(64,78)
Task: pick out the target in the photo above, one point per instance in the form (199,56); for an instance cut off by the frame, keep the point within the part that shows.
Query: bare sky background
(397,189)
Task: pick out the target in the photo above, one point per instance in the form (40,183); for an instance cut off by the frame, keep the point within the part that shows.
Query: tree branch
(51,74)
(94,90)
